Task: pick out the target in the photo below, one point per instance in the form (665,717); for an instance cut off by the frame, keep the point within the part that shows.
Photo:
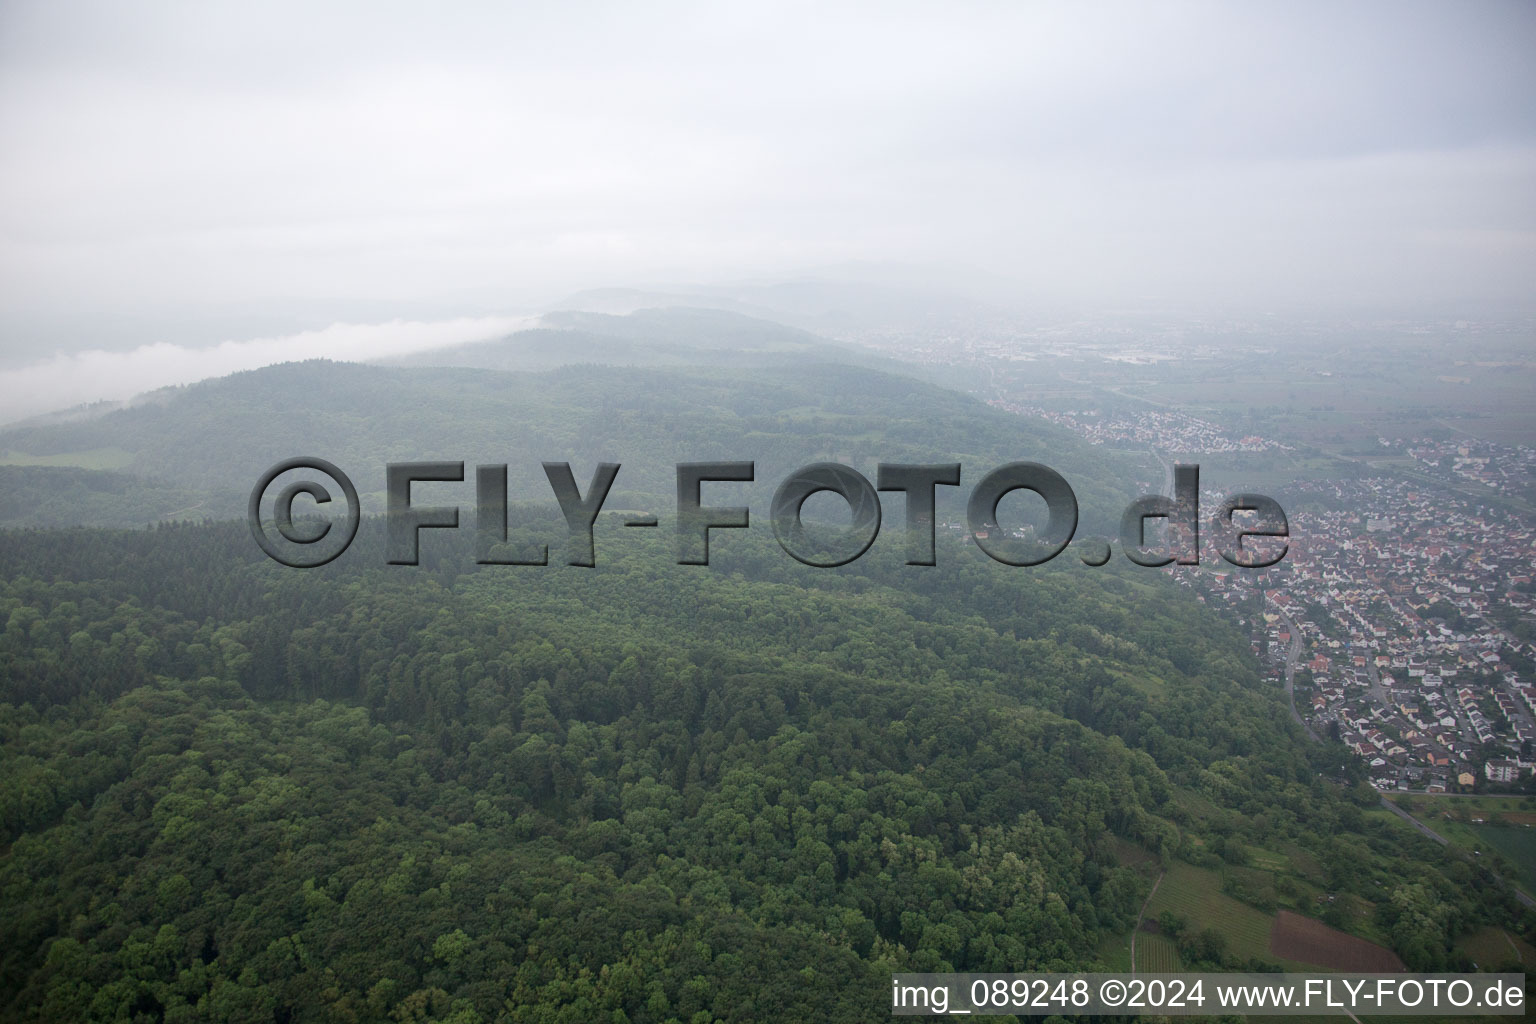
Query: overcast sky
(196,173)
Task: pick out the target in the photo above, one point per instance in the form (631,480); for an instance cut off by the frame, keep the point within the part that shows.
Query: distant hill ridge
(208,443)
(677,336)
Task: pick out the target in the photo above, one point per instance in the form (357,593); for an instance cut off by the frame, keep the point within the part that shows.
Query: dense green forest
(640,792)
(645,792)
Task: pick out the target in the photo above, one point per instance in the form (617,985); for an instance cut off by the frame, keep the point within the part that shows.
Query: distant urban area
(1401,620)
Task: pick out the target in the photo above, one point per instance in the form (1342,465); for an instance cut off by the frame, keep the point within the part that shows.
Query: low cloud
(71,379)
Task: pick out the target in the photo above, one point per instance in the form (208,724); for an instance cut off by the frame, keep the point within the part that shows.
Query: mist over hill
(672,337)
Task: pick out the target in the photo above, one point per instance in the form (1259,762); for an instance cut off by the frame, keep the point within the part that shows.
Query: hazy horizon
(182,179)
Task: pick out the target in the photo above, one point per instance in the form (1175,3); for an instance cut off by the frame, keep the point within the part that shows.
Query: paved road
(1415,822)
(1291,657)
(1378,692)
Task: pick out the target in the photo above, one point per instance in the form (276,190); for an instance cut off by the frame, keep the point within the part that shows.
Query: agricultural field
(1156,953)
(1516,844)
(1195,895)
(1267,860)
(1492,947)
(1309,941)
(1115,952)
(1289,939)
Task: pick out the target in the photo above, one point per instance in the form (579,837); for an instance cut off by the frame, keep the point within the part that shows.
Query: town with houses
(1385,621)
(1507,469)
(1169,431)
(1400,619)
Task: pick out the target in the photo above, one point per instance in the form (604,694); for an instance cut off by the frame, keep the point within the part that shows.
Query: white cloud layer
(70,379)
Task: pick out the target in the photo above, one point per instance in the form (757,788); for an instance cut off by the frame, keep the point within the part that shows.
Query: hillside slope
(210,442)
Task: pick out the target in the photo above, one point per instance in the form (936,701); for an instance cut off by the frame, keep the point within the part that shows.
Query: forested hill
(641,792)
(204,446)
